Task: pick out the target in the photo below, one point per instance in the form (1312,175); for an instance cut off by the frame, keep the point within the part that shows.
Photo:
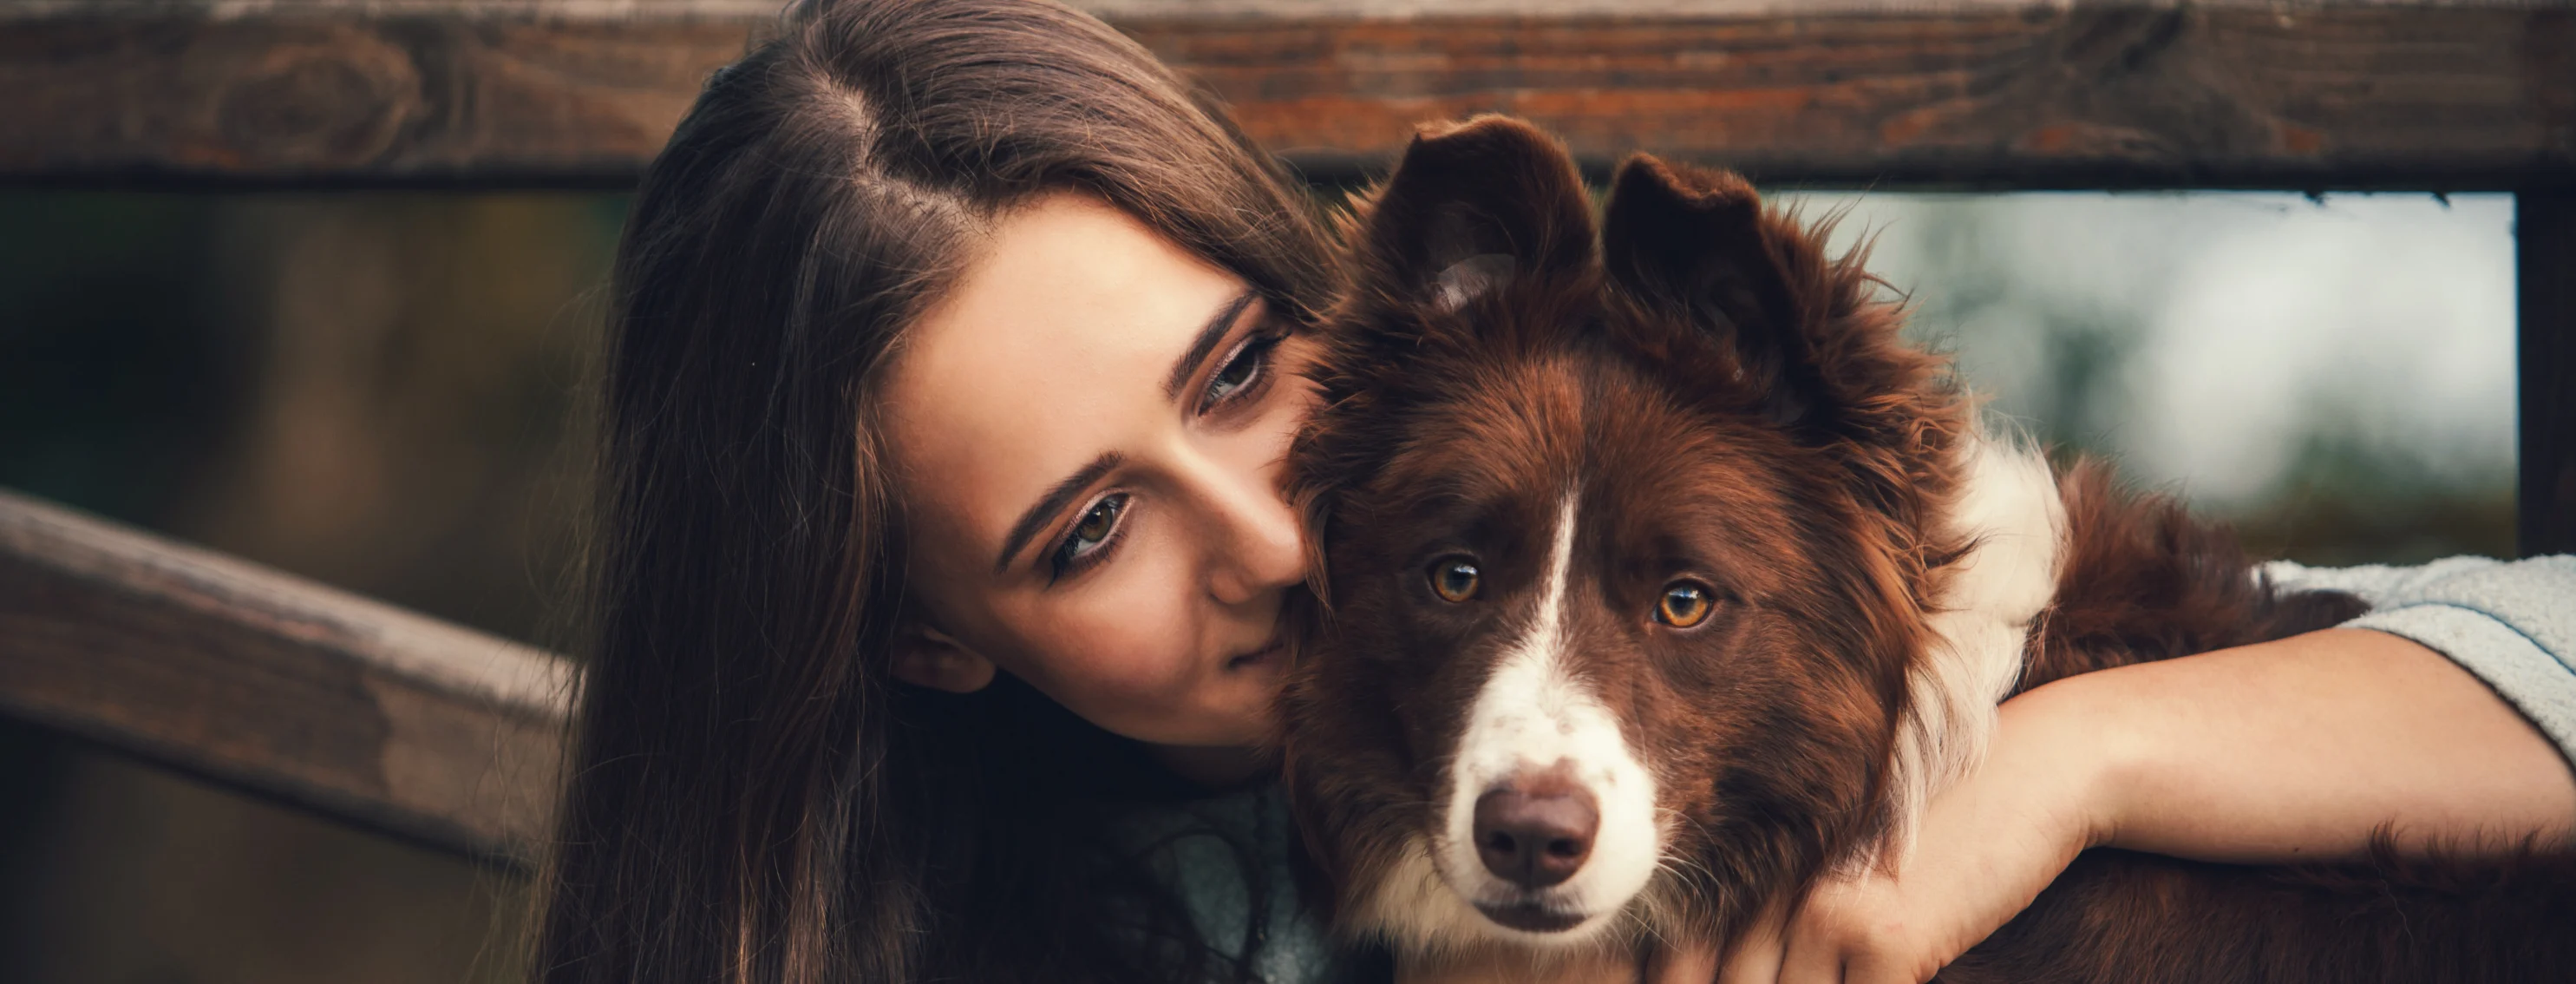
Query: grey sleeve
(2512,625)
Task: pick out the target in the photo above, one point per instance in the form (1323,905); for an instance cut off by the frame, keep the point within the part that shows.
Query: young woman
(941,558)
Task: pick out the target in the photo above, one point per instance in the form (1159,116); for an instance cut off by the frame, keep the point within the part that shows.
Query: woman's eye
(1684,604)
(1090,534)
(1454,580)
(1240,372)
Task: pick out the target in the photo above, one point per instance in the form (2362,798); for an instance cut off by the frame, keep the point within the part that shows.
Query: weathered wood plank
(2344,96)
(2544,225)
(2083,97)
(274,684)
(509,101)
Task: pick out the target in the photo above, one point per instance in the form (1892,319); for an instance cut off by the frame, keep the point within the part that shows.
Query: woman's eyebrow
(1048,505)
(1211,335)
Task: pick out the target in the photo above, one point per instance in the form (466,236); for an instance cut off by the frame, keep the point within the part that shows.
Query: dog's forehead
(1506,428)
(1664,450)
(1533,426)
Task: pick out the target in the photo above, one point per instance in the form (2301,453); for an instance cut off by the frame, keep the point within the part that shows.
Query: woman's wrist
(2067,744)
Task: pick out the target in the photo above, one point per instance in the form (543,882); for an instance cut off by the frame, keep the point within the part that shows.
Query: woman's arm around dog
(2303,748)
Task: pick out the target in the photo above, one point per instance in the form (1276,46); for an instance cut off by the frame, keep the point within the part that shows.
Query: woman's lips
(1267,653)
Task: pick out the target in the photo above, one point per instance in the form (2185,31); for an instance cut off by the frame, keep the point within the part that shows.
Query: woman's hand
(2299,749)
(1984,849)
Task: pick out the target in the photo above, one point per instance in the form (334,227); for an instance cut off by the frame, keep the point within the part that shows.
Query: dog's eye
(1454,580)
(1684,605)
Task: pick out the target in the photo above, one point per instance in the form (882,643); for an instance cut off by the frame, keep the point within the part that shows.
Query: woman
(788,765)
(953,355)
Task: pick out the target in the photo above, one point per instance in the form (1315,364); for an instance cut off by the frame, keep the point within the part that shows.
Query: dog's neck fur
(2013,525)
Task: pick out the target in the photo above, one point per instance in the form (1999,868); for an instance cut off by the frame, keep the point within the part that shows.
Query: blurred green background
(376,390)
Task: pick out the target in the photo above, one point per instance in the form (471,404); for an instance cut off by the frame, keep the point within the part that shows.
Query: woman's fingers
(1858,930)
(1755,959)
(1690,962)
(1815,945)
(1811,963)
(1884,968)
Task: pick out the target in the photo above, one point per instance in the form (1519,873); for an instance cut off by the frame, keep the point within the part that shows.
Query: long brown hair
(750,797)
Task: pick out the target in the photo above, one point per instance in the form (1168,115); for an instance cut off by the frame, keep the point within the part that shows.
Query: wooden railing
(398,722)
(2361,94)
(275,684)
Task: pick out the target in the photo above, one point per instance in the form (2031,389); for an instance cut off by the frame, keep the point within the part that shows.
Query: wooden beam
(277,685)
(2058,97)
(341,99)
(2544,229)
(2443,96)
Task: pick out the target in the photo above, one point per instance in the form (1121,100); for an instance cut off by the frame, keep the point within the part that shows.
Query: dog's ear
(1694,245)
(1472,207)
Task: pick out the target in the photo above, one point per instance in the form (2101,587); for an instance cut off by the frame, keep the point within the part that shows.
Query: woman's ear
(927,657)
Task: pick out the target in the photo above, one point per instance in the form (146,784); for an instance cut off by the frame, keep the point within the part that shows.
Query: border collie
(1661,577)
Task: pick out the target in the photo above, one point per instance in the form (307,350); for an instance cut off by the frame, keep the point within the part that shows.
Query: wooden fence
(428,731)
(276,685)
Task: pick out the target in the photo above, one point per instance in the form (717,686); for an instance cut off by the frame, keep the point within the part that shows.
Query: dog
(1659,578)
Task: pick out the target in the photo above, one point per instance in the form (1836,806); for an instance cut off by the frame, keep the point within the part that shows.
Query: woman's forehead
(1053,348)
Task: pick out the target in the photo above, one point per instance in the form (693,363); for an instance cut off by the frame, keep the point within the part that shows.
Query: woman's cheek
(1126,656)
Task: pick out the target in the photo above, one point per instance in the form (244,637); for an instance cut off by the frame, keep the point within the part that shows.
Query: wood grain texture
(2087,97)
(2347,96)
(2544,226)
(277,685)
(335,99)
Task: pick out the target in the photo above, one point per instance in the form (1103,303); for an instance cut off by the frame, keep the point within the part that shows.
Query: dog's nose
(1536,833)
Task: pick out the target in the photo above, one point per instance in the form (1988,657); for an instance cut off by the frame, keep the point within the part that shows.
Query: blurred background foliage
(377,391)
(2334,377)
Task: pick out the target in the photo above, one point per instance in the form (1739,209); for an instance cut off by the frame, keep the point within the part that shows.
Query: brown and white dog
(1662,577)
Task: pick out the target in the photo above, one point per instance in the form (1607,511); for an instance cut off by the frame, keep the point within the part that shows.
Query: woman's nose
(1260,546)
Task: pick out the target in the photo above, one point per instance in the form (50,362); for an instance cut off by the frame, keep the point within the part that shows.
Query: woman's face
(1089,431)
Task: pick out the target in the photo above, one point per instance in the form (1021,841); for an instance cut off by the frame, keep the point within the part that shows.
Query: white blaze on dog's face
(1549,824)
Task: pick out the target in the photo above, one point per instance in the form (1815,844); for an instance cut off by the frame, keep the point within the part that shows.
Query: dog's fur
(1698,392)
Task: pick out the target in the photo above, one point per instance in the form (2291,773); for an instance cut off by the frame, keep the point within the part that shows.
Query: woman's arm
(2306,746)
(2295,749)
(2303,748)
